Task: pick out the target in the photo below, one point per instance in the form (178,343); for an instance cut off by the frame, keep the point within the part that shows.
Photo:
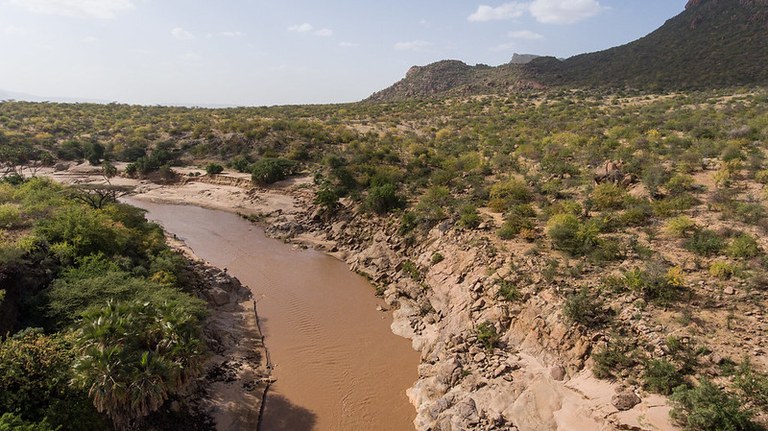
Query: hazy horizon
(256,53)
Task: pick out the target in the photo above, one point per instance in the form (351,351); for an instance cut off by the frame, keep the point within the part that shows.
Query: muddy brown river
(337,364)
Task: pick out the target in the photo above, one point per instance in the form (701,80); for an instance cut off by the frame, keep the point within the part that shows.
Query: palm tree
(133,355)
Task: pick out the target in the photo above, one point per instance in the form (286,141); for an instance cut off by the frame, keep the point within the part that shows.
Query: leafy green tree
(93,152)
(271,170)
(214,169)
(383,199)
(35,370)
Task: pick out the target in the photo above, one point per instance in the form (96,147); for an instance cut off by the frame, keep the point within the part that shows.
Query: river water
(337,364)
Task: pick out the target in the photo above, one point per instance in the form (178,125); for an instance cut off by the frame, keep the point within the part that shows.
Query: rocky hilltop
(452,77)
(711,44)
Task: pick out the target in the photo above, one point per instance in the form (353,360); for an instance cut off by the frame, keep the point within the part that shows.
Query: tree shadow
(282,415)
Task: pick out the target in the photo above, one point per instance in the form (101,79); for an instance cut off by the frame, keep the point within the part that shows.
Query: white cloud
(191,56)
(414,45)
(505,11)
(544,11)
(307,27)
(89,39)
(349,44)
(232,34)
(301,28)
(101,9)
(504,47)
(15,31)
(181,34)
(564,11)
(524,34)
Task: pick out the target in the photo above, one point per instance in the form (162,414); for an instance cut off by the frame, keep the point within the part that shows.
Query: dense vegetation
(98,330)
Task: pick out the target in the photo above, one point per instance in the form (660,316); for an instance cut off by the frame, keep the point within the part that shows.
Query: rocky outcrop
(534,376)
(237,372)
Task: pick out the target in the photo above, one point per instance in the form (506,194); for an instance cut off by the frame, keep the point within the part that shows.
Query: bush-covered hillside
(712,44)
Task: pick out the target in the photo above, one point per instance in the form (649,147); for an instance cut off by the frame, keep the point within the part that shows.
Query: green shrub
(241,164)
(661,377)
(12,422)
(680,226)
(568,234)
(654,282)
(214,169)
(614,358)
(35,370)
(608,196)
(519,218)
(762,176)
(413,271)
(437,258)
(10,216)
(431,208)
(505,194)
(328,198)
(636,213)
(747,212)
(469,218)
(722,270)
(705,242)
(508,291)
(752,384)
(383,199)
(271,170)
(674,205)
(487,335)
(679,184)
(709,408)
(88,231)
(585,309)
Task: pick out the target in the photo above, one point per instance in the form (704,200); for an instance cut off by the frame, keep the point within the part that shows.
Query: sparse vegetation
(487,335)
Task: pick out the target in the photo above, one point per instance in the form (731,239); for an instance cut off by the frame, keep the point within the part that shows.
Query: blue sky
(266,52)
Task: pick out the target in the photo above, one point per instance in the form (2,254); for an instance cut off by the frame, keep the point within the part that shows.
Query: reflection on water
(337,364)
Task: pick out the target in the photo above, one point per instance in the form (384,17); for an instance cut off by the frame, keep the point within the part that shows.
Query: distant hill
(453,77)
(713,43)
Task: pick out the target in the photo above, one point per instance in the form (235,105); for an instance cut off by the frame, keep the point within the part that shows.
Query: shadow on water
(282,415)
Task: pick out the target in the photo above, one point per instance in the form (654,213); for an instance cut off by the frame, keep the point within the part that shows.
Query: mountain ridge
(710,44)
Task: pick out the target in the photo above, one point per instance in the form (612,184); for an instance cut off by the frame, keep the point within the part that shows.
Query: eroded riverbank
(337,364)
